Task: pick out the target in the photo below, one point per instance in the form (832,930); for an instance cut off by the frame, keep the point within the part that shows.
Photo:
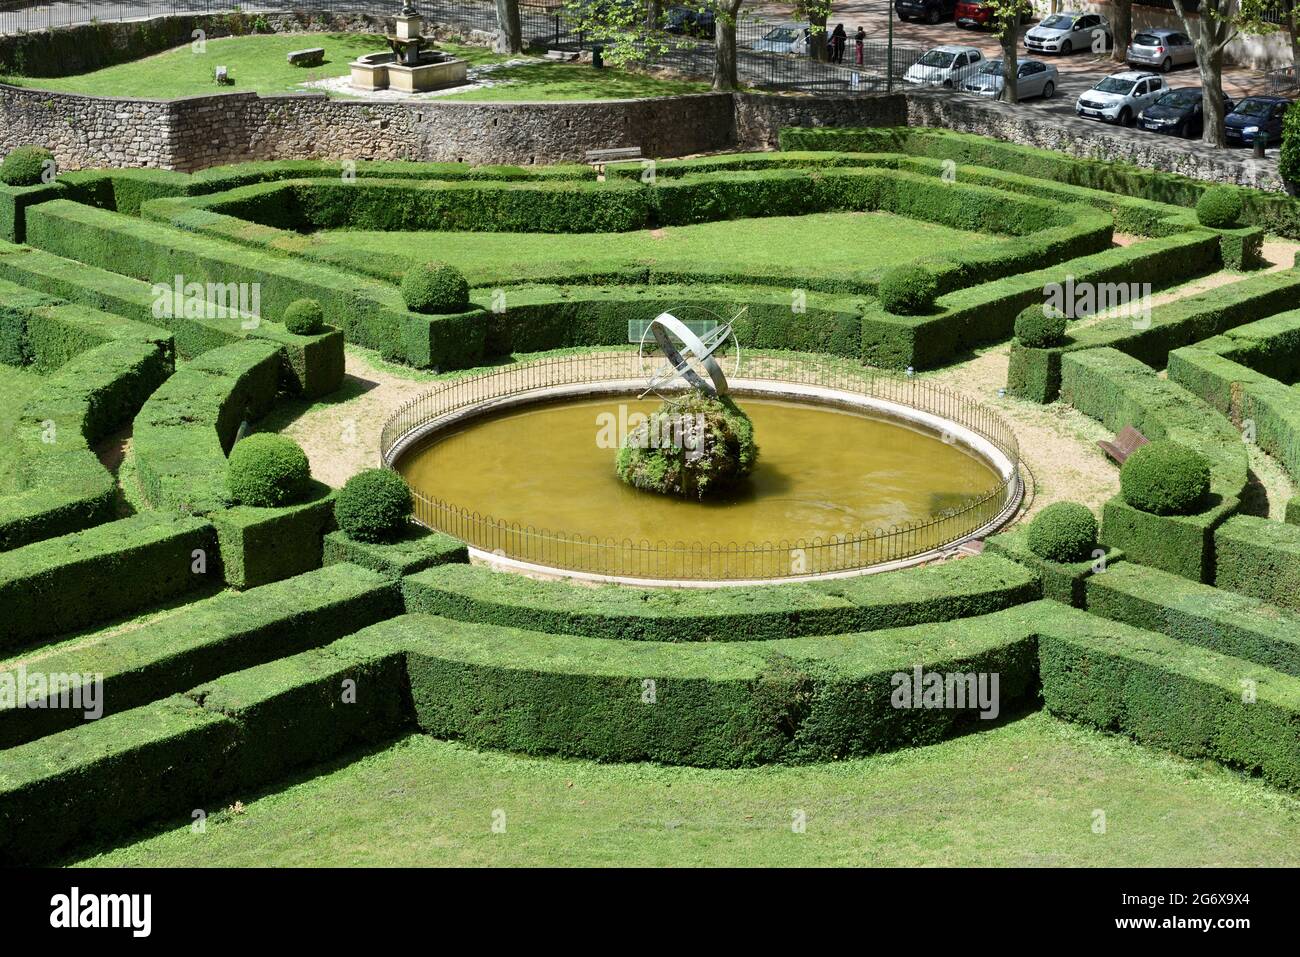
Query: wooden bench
(314,56)
(596,157)
(1128,441)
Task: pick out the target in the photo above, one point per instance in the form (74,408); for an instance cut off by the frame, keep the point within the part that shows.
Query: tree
(816,12)
(725,14)
(1219,23)
(1291,8)
(1008,16)
(1123,10)
(510,37)
(625,31)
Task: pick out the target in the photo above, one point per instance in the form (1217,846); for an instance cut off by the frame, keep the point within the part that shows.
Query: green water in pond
(821,472)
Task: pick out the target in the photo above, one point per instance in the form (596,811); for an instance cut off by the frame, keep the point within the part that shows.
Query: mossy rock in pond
(694,446)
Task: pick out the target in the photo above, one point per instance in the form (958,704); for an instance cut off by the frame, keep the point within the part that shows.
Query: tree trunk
(509,33)
(818,39)
(1293,22)
(653,9)
(724,59)
(1123,27)
(1211,69)
(1010,66)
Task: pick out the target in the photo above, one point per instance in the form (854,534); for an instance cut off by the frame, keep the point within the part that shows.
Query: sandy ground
(341,434)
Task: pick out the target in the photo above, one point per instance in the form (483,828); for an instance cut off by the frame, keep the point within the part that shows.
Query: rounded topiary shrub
(304,317)
(435,287)
(373,506)
(267,470)
(908,290)
(695,446)
(1038,327)
(1166,479)
(24,166)
(1219,207)
(1063,532)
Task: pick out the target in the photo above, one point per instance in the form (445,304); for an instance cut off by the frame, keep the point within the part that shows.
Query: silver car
(1033,78)
(788,37)
(1066,32)
(1161,48)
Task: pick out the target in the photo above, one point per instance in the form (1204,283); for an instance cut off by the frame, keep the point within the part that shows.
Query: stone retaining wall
(1027,124)
(197,132)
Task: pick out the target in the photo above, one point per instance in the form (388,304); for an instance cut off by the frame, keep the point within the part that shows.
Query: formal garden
(307,554)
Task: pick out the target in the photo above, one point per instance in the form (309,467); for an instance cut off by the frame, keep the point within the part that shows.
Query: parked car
(1255,116)
(1120,97)
(1033,78)
(931,11)
(972,13)
(948,66)
(1066,32)
(1161,48)
(1178,112)
(689,22)
(788,37)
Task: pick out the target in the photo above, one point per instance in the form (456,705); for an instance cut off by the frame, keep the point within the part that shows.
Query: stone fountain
(408,67)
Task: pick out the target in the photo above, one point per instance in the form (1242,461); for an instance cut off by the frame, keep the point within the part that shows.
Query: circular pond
(821,472)
(520,464)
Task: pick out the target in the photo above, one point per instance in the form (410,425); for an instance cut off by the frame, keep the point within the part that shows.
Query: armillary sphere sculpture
(688,354)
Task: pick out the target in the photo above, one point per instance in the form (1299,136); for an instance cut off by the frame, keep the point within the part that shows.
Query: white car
(788,37)
(1121,97)
(948,66)
(1066,32)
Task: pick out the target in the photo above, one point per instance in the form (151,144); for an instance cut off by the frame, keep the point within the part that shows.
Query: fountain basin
(849,479)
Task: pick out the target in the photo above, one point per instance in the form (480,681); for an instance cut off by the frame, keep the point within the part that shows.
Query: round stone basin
(824,473)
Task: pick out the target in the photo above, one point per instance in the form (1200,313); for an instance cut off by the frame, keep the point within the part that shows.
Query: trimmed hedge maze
(222,646)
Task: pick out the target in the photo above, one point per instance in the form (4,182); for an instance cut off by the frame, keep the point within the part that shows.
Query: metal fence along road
(701,561)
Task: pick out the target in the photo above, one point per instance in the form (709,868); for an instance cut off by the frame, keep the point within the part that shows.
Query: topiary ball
(1063,532)
(435,288)
(1037,328)
(267,470)
(908,290)
(373,506)
(696,445)
(304,317)
(1219,207)
(24,166)
(1166,479)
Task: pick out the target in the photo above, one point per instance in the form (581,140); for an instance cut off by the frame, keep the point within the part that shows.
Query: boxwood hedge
(1118,390)
(1258,557)
(930,593)
(99,573)
(1223,621)
(208,639)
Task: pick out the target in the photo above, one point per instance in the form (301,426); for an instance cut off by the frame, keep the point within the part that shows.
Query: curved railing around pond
(696,561)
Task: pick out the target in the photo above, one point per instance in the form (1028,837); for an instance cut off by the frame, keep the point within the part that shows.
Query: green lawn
(1024,793)
(257,63)
(830,244)
(574,81)
(15,386)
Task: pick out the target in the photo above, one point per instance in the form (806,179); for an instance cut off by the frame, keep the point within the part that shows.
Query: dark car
(687,22)
(1178,112)
(931,11)
(1255,116)
(972,13)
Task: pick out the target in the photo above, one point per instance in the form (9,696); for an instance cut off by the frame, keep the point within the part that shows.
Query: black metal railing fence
(694,561)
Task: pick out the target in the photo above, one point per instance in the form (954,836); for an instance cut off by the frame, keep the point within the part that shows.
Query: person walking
(859,40)
(838,39)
